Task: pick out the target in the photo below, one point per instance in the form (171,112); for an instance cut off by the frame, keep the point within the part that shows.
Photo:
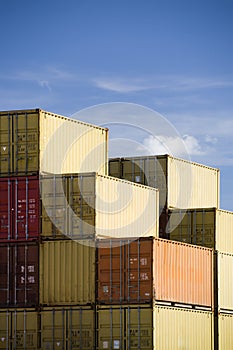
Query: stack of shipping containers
(200,222)
(45,297)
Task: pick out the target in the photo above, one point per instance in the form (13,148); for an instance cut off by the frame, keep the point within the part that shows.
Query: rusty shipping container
(225,281)
(19,208)
(151,328)
(33,141)
(91,206)
(182,184)
(68,328)
(19,329)
(225,334)
(209,227)
(19,274)
(67,273)
(147,269)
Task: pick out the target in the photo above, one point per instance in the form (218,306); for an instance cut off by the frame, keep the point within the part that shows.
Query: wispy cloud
(169,83)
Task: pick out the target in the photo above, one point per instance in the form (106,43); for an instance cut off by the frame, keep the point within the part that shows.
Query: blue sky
(175,57)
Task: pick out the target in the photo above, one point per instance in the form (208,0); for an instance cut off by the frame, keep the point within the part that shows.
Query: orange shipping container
(150,269)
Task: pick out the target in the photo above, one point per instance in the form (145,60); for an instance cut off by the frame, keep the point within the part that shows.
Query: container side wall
(225,285)
(6,158)
(182,329)
(69,146)
(224,231)
(124,209)
(183,273)
(225,324)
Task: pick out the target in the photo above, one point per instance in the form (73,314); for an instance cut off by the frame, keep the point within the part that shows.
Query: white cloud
(121,85)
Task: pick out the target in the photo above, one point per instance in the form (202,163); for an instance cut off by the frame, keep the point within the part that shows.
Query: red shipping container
(19,274)
(154,269)
(19,208)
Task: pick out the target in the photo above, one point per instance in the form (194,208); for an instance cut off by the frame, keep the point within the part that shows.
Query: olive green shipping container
(182,184)
(19,329)
(68,328)
(153,328)
(67,273)
(209,227)
(225,331)
(33,141)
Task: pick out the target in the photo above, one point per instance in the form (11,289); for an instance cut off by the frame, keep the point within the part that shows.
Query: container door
(111,329)
(53,325)
(25,277)
(25,330)
(6,277)
(26,143)
(5,145)
(80,330)
(5,324)
(111,274)
(26,212)
(204,228)
(139,328)
(138,277)
(5,209)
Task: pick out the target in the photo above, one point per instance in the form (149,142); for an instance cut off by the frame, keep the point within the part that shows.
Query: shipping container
(148,269)
(209,227)
(67,273)
(68,328)
(225,333)
(19,329)
(19,208)
(94,205)
(153,328)
(225,281)
(33,141)
(182,184)
(19,274)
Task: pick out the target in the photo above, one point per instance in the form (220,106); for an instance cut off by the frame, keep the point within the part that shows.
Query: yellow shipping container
(33,141)
(68,328)
(225,281)
(19,329)
(225,331)
(209,227)
(146,328)
(182,184)
(97,206)
(67,273)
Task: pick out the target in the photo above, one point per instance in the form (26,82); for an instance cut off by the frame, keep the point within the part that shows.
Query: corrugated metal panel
(188,184)
(191,185)
(154,269)
(68,328)
(19,208)
(224,231)
(125,209)
(67,273)
(225,285)
(225,327)
(19,329)
(35,140)
(183,329)
(19,275)
(183,273)
(146,328)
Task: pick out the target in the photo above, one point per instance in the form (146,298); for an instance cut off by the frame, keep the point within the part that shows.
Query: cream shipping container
(97,206)
(33,141)
(225,281)
(182,184)
(225,331)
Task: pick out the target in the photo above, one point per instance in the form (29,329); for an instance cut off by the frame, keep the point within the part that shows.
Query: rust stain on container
(151,268)
(19,275)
